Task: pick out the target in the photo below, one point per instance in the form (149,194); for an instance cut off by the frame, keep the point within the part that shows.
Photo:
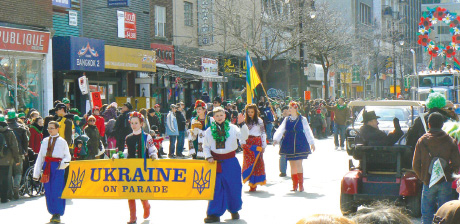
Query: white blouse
(61,150)
(258,130)
(231,144)
(306,130)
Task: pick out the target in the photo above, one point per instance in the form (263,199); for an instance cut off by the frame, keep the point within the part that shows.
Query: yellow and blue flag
(252,79)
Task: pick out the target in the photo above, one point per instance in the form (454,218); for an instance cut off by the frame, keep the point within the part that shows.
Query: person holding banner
(53,158)
(138,145)
(220,144)
(436,157)
(297,143)
(197,130)
(253,149)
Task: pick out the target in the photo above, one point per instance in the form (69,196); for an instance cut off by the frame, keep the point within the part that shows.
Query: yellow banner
(130,59)
(127,179)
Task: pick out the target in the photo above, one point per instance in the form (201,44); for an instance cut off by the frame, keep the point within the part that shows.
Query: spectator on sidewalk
(172,130)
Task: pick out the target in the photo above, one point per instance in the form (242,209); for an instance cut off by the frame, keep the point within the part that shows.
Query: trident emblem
(201,182)
(76,180)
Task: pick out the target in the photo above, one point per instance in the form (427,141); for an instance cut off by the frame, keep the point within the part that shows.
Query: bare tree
(327,37)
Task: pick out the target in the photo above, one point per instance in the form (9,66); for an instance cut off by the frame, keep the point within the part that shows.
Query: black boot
(212,218)
(235,216)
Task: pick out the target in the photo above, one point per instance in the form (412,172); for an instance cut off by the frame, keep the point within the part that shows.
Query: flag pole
(268,98)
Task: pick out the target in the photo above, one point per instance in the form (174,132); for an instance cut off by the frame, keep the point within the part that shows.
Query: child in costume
(297,143)
(138,145)
(220,143)
(157,140)
(53,158)
(197,130)
(253,148)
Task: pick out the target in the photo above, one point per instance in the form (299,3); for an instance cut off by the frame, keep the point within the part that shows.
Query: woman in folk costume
(197,130)
(297,142)
(253,149)
(138,145)
(220,144)
(53,158)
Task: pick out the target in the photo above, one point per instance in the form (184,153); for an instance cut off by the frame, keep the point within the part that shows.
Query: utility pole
(393,38)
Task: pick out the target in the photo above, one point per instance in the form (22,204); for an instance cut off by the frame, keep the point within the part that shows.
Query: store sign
(164,53)
(118,3)
(122,58)
(73,18)
(78,53)
(61,3)
(126,25)
(12,39)
(205,22)
(83,84)
(209,66)
(356,74)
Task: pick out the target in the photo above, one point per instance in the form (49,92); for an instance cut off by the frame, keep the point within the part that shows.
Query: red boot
(146,206)
(252,189)
(132,212)
(295,181)
(300,177)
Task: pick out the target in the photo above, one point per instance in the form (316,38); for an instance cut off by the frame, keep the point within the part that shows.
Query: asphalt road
(272,203)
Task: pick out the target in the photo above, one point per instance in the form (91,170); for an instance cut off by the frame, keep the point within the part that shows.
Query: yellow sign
(359,89)
(392,89)
(130,59)
(127,179)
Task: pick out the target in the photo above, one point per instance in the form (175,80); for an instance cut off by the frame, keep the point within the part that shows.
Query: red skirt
(253,162)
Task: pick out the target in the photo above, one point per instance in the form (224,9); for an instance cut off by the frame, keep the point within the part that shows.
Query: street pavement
(272,203)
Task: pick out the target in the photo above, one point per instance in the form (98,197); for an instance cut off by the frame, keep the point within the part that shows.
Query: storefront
(25,69)
(74,57)
(128,64)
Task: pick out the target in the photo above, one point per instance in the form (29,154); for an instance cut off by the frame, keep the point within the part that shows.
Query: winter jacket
(21,134)
(110,113)
(11,154)
(94,141)
(100,124)
(36,137)
(180,120)
(418,130)
(370,136)
(437,144)
(122,129)
(171,124)
(109,128)
(340,115)
(65,129)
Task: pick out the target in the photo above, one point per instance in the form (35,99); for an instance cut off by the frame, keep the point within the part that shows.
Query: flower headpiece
(294,105)
(136,114)
(200,103)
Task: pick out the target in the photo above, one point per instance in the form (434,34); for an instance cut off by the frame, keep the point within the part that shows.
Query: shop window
(27,92)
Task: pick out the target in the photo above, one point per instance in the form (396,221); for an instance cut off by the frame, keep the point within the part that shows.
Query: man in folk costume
(138,145)
(297,142)
(253,149)
(53,158)
(197,130)
(220,144)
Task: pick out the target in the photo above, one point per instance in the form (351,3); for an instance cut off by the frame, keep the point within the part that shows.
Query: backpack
(3,145)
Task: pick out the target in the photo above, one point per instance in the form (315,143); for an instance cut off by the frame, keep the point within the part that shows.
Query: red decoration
(456,39)
(455,22)
(136,114)
(440,13)
(425,22)
(423,40)
(434,52)
(449,51)
(200,103)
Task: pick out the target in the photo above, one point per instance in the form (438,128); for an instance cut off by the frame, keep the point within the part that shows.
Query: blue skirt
(294,146)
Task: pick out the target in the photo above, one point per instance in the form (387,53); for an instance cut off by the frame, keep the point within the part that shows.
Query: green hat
(12,114)
(21,115)
(2,118)
(65,100)
(74,111)
(435,100)
(77,118)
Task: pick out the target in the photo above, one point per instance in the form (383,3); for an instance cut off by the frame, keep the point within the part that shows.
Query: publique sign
(13,39)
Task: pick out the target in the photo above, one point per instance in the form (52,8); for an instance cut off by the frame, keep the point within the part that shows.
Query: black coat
(122,129)
(418,130)
(370,136)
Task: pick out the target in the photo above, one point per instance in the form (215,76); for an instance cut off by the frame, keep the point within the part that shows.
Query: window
(365,14)
(188,14)
(160,21)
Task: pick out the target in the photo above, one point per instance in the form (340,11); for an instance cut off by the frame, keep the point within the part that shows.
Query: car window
(387,113)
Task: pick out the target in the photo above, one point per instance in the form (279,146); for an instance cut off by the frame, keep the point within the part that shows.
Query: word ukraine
(128,179)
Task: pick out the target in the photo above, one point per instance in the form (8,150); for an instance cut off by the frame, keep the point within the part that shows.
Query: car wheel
(414,205)
(347,205)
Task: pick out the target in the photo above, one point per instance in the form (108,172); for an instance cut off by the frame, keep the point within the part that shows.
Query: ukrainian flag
(252,79)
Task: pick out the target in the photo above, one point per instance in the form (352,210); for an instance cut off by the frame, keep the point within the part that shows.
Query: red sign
(130,25)
(164,53)
(307,95)
(24,40)
(97,101)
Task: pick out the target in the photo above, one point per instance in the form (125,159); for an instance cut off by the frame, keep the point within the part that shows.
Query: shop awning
(195,74)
